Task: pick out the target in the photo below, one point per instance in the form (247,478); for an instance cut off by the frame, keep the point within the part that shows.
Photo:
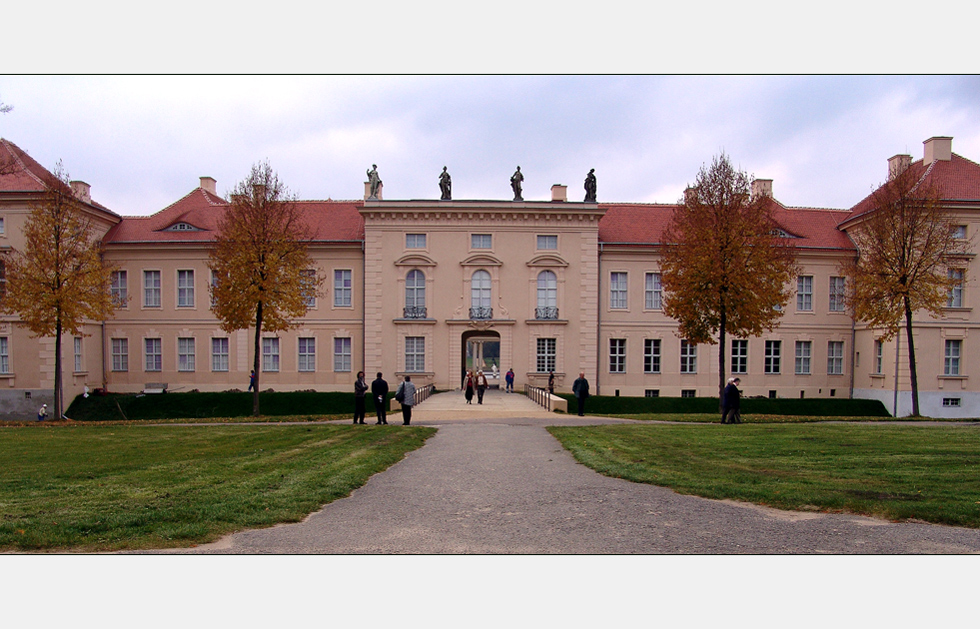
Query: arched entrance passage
(481,350)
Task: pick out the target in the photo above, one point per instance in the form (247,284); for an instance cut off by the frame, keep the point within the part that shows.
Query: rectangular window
(651,355)
(415,354)
(617,355)
(307,354)
(415,241)
(651,393)
(117,288)
(546,355)
(547,242)
(185,289)
(270,354)
(308,282)
(959,231)
(154,354)
(951,401)
(481,241)
(342,287)
(689,392)
(803,358)
(835,357)
(78,354)
(879,362)
(956,290)
(837,287)
(689,357)
(2,228)
(4,355)
(341,354)
(951,362)
(185,354)
(804,293)
(771,364)
(617,290)
(219,354)
(654,292)
(151,289)
(740,356)
(120,354)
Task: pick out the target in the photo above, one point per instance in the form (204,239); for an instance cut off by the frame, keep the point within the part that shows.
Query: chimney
(761,187)
(939,148)
(689,194)
(897,165)
(367,190)
(559,193)
(210,185)
(82,191)
(258,191)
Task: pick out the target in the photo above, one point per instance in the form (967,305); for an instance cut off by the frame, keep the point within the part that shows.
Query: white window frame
(654,292)
(153,354)
(77,344)
(740,356)
(343,288)
(415,241)
(838,293)
(481,241)
(342,354)
(481,291)
(547,242)
(952,354)
(415,289)
(118,288)
(955,299)
(547,289)
(879,357)
(689,357)
(219,354)
(186,353)
(772,361)
(119,348)
(547,354)
(307,279)
(414,354)
(804,355)
(185,288)
(804,293)
(4,354)
(618,290)
(306,354)
(617,355)
(835,358)
(152,291)
(651,355)
(270,354)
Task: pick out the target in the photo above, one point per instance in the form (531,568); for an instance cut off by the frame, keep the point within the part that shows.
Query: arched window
(547,296)
(480,296)
(415,295)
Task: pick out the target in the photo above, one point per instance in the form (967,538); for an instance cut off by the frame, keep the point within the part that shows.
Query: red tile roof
(957,179)
(27,175)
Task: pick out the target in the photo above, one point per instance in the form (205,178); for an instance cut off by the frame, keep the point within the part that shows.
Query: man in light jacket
(408,390)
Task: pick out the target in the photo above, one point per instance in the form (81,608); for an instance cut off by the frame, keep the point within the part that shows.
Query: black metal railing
(415,312)
(423,393)
(481,312)
(546,312)
(538,396)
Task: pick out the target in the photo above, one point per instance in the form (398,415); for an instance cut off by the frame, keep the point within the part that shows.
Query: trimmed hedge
(824,407)
(199,405)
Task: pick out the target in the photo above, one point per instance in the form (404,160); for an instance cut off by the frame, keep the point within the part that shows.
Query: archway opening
(481,350)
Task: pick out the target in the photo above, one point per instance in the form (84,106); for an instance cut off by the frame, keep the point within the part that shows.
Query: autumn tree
(905,243)
(60,280)
(725,268)
(260,261)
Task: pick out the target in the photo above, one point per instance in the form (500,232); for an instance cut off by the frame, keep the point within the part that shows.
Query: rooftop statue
(590,187)
(515,183)
(374,180)
(446,185)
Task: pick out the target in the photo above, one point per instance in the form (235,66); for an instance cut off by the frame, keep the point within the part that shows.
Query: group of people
(475,382)
(405,395)
(730,402)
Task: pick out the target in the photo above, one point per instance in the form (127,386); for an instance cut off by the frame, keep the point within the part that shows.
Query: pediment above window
(181,227)
(415,259)
(547,260)
(481,259)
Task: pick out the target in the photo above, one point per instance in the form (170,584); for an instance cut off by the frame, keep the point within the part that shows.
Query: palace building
(432,288)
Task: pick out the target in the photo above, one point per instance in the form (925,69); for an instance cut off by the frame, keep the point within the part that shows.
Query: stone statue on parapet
(374,180)
(515,183)
(446,185)
(590,187)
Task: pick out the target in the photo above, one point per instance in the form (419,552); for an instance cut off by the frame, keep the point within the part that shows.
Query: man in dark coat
(580,389)
(360,389)
(730,402)
(379,389)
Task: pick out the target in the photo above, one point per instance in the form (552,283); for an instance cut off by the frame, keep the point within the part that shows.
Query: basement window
(951,401)
(651,393)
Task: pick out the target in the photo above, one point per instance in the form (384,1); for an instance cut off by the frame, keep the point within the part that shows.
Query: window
(219,354)
(4,355)
(689,393)
(415,353)
(3,278)
(185,354)
(214,285)
(951,363)
(617,290)
(835,357)
(78,354)
(617,355)
(117,288)
(803,357)
(308,283)
(342,285)
(804,292)
(415,295)
(837,294)
(120,354)
(307,354)
(546,355)
(651,355)
(689,357)
(341,354)
(547,296)
(151,289)
(3,230)
(740,356)
(959,231)
(154,354)
(415,241)
(956,290)
(547,242)
(654,292)
(771,364)
(651,393)
(480,296)
(481,241)
(951,401)
(270,354)
(185,289)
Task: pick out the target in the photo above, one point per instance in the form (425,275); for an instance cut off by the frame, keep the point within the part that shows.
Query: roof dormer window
(182,227)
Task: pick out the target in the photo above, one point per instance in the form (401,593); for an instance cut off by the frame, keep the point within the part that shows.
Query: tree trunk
(721,361)
(912,374)
(255,362)
(58,411)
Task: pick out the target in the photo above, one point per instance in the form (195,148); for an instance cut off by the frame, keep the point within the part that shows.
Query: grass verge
(715,418)
(893,472)
(101,488)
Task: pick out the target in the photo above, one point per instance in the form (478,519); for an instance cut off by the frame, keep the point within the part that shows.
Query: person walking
(251,381)
(481,386)
(406,390)
(551,382)
(509,378)
(469,387)
(379,390)
(360,389)
(731,402)
(42,412)
(580,389)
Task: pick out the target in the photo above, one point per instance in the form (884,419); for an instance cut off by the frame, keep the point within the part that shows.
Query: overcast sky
(143,141)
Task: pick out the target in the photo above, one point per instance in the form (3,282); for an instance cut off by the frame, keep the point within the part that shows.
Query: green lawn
(891,471)
(715,418)
(95,488)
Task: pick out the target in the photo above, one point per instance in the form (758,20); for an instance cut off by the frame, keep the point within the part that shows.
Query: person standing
(551,382)
(379,389)
(42,412)
(360,389)
(481,386)
(731,403)
(510,380)
(469,387)
(581,391)
(407,392)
